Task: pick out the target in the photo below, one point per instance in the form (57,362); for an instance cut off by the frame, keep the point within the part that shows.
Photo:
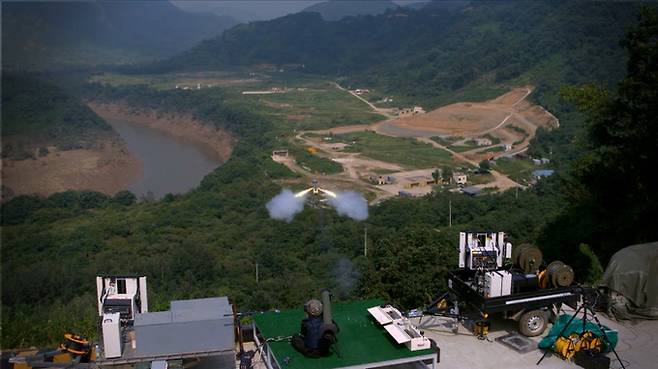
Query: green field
(308,102)
(492,149)
(467,146)
(314,162)
(475,179)
(192,80)
(445,141)
(519,170)
(321,107)
(404,151)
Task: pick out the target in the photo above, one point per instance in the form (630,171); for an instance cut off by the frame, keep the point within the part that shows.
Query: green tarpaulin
(576,326)
(632,278)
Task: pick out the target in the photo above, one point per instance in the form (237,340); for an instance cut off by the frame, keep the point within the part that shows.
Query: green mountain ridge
(429,55)
(52,35)
(333,10)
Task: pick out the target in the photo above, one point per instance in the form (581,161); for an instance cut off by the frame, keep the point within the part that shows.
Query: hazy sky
(249,10)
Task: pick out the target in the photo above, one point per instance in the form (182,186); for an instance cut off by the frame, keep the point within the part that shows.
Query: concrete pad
(638,346)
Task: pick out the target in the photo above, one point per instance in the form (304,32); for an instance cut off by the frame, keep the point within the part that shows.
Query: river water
(169,164)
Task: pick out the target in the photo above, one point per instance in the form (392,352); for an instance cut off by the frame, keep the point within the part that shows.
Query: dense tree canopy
(613,191)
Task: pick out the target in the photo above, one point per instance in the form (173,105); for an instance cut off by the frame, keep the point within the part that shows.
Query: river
(169,164)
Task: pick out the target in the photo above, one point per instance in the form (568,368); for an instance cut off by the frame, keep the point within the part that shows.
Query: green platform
(361,339)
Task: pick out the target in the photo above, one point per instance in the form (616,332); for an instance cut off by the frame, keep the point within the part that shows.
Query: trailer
(491,279)
(532,309)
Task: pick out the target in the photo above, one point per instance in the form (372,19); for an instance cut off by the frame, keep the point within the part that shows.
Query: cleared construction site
(456,136)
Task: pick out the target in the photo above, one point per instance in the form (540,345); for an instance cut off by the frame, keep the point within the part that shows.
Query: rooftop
(543,173)
(472,190)
(192,328)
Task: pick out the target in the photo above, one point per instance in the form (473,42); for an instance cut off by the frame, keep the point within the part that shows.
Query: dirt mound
(477,119)
(513,97)
(461,119)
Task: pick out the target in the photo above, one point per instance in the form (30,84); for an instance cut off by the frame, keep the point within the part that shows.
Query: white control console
(399,327)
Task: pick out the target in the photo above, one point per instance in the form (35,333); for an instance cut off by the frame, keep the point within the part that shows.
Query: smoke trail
(351,204)
(285,206)
(346,274)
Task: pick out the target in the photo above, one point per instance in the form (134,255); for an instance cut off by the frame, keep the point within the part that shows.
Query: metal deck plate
(517,342)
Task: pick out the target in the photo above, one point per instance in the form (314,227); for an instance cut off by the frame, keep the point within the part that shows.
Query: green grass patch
(306,108)
(404,151)
(314,162)
(517,129)
(445,141)
(494,140)
(465,146)
(519,170)
(475,179)
(492,149)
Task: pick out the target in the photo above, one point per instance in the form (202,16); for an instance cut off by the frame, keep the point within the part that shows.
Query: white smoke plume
(285,205)
(351,204)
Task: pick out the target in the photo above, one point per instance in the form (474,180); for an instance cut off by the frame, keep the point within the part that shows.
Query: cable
(279,339)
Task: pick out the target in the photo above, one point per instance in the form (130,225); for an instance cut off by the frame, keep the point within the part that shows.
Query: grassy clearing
(517,129)
(475,179)
(404,151)
(308,103)
(306,108)
(492,149)
(445,141)
(519,170)
(465,146)
(314,162)
(169,81)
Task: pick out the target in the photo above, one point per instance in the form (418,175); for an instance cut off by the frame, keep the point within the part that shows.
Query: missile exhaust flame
(287,204)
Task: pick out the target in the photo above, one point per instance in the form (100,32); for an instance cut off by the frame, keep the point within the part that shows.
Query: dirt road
(383,111)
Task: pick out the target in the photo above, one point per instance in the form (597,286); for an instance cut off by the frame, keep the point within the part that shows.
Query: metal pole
(450,213)
(365,241)
(256,273)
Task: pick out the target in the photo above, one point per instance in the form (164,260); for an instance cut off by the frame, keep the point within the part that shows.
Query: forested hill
(336,9)
(50,35)
(431,53)
(36,114)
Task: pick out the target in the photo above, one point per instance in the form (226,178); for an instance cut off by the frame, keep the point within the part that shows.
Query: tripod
(584,307)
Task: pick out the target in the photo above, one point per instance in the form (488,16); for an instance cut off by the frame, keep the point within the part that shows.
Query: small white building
(459,178)
(483,142)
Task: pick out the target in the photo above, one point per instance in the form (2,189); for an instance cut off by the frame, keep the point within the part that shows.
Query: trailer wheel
(533,323)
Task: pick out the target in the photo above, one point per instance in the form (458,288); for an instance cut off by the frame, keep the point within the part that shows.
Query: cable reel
(528,257)
(559,274)
(75,345)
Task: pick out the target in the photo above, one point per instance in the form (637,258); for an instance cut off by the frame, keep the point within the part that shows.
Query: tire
(533,323)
